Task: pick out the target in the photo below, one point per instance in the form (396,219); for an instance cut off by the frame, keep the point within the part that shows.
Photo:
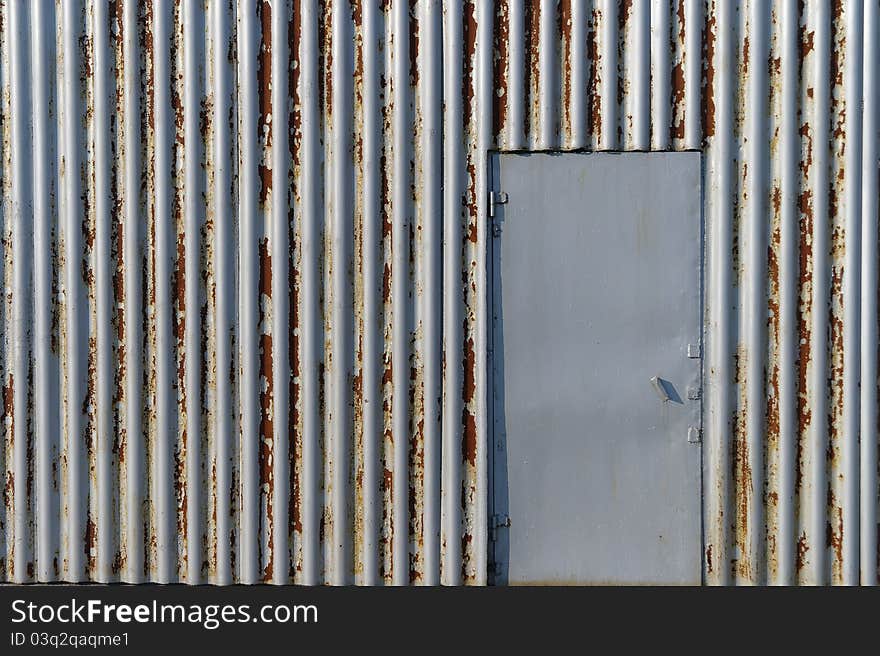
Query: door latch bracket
(496,198)
(497,521)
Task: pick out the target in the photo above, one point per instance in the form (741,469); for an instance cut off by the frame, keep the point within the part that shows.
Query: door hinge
(496,198)
(497,521)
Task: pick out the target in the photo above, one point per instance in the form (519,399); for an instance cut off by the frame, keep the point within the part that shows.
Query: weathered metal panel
(595,416)
(244,310)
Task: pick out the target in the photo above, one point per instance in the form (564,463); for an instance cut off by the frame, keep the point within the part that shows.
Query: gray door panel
(596,296)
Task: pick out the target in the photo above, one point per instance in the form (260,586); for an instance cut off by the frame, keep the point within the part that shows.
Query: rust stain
(624,10)
(265,118)
(90,545)
(413,45)
(8,395)
(295,455)
(773,278)
(357,382)
(805,310)
(501,63)
(470,50)
(9,489)
(178,290)
(325,57)
(677,129)
(593,54)
(802,548)
(471,202)
(742,466)
(678,100)
(267,398)
(834,534)
(532,69)
(806,41)
(565,26)
(469,436)
(386,526)
(709,36)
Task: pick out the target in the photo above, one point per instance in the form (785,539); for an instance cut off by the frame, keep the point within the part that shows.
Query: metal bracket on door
(496,198)
(498,521)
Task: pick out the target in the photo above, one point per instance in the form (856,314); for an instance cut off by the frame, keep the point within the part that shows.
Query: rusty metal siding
(243,327)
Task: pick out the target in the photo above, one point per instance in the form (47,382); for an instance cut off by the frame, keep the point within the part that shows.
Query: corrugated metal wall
(244,316)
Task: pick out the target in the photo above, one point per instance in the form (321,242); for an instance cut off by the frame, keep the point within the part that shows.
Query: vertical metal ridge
(362,427)
(370,333)
(415,492)
(851,289)
(21,547)
(515,93)
(324,20)
(106,528)
(338,297)
(46,364)
(693,73)
(177,463)
(453,333)
(476,90)
(680,65)
(248,303)
(401,216)
(430,238)
(212,344)
(280,294)
(6,525)
(575,75)
(817,573)
(531,66)
(753,240)
(661,75)
(293,119)
(719,488)
(88,273)
(636,66)
(772,293)
(192,347)
(72,467)
(471,200)
(479,499)
(224,452)
(159,306)
(805,202)
(265,137)
(869,317)
(384,446)
(546,116)
(607,120)
(310,256)
(787,281)
(133,244)
(838,430)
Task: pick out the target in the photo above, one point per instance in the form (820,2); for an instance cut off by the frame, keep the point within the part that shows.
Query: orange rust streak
(264,99)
